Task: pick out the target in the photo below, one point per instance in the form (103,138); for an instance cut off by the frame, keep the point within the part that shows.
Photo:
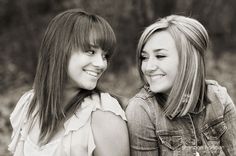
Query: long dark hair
(69,30)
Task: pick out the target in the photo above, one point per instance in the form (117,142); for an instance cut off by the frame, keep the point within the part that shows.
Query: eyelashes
(91,52)
(145,57)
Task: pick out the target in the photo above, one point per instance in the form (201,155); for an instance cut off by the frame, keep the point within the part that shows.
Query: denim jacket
(209,132)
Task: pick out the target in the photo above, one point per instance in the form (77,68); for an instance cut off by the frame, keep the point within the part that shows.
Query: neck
(69,93)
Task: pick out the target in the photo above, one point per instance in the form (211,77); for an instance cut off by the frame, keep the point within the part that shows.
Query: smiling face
(160,62)
(86,67)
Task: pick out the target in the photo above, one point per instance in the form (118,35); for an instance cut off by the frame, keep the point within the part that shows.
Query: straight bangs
(95,32)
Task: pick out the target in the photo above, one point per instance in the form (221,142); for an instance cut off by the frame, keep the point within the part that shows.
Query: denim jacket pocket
(170,139)
(214,130)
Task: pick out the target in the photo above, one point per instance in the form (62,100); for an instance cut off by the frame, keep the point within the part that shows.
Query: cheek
(143,65)
(174,71)
(73,68)
(105,66)
(143,71)
(176,67)
(173,63)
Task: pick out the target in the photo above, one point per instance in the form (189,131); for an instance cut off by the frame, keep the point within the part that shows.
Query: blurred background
(23,23)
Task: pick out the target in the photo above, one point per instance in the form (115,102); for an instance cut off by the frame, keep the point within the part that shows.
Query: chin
(156,89)
(160,90)
(89,86)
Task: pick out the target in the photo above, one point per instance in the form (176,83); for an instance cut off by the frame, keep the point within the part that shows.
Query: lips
(156,76)
(93,73)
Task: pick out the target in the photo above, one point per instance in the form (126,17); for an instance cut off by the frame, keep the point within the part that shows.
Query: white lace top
(77,138)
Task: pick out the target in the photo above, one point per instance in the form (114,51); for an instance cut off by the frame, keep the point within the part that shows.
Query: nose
(99,61)
(151,65)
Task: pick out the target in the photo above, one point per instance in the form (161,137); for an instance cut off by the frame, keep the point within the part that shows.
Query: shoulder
(111,104)
(18,117)
(216,90)
(142,118)
(21,105)
(107,127)
(105,119)
(220,101)
(140,112)
(214,86)
(107,99)
(139,104)
(25,98)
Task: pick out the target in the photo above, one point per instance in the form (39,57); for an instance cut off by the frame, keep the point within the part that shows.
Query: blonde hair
(192,41)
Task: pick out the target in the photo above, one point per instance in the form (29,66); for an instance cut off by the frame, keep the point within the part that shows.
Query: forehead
(158,41)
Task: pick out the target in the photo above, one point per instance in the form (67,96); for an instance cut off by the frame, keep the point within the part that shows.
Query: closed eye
(160,56)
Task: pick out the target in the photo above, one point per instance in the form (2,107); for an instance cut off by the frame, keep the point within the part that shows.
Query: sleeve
(143,139)
(229,137)
(110,134)
(111,104)
(108,122)
(17,119)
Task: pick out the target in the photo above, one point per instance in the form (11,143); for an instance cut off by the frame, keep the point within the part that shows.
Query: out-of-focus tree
(218,17)
(23,23)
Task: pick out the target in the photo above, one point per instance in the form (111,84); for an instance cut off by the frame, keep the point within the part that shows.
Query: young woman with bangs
(178,111)
(65,113)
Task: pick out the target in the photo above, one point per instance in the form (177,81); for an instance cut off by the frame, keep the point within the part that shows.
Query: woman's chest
(65,142)
(190,136)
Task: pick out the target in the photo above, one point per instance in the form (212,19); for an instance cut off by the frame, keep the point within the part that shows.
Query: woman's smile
(160,62)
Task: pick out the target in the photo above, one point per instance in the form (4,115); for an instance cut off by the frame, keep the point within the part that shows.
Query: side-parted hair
(72,29)
(192,42)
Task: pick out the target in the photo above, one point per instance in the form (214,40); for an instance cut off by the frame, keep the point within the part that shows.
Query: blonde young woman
(65,114)
(179,112)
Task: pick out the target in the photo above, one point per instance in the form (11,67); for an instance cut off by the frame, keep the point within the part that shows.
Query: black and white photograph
(117,78)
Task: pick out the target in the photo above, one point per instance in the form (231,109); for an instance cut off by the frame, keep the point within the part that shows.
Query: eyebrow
(97,47)
(94,46)
(155,50)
